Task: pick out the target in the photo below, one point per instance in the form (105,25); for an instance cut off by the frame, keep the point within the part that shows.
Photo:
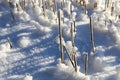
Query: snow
(24,42)
(21,77)
(67,72)
(35,53)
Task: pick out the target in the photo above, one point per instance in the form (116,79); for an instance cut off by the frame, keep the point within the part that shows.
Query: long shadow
(4,19)
(32,64)
(82,39)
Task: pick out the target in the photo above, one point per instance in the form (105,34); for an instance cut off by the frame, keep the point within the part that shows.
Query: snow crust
(34,34)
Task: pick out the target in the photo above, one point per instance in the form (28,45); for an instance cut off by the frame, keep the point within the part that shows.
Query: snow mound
(24,42)
(83,17)
(114,31)
(4,46)
(67,72)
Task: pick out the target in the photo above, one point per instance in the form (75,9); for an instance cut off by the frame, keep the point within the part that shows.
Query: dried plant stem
(60,37)
(74,26)
(33,3)
(91,35)
(107,3)
(112,9)
(10,6)
(23,4)
(69,56)
(71,8)
(17,7)
(73,45)
(49,4)
(54,6)
(85,9)
(72,35)
(63,1)
(8,39)
(105,23)
(75,62)
(43,6)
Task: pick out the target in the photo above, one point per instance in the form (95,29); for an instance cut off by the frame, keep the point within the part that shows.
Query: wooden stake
(86,63)
(91,35)
(60,37)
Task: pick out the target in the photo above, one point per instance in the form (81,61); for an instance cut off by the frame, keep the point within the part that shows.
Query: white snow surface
(35,52)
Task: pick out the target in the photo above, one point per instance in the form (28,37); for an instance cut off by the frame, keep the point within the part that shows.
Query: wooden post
(86,63)
(60,38)
(91,35)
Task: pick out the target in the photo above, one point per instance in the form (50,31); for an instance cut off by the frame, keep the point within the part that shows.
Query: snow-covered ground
(32,29)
